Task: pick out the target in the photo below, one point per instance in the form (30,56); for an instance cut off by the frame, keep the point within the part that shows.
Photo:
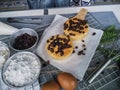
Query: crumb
(48,62)
(83,40)
(84,48)
(76,47)
(83,45)
(80,52)
(94,33)
(83,53)
(73,51)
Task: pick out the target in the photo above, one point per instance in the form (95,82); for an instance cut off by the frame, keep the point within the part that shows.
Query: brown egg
(51,85)
(67,81)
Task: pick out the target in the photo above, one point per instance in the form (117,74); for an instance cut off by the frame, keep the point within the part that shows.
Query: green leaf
(109,36)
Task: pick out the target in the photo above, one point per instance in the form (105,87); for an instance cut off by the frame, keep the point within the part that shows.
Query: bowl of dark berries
(24,39)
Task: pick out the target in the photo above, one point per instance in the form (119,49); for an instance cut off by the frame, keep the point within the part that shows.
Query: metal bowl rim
(8,61)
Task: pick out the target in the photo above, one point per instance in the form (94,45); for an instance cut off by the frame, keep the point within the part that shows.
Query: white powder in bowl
(4,53)
(22,69)
(2,60)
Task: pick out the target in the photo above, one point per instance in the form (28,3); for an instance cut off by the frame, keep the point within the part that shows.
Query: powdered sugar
(22,69)
(4,53)
(2,60)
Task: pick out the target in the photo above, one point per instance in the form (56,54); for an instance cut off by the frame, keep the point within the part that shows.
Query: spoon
(26,21)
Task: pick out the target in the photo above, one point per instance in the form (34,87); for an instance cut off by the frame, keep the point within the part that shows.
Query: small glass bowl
(20,32)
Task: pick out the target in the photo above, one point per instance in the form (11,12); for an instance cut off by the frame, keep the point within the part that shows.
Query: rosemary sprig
(110,35)
(108,52)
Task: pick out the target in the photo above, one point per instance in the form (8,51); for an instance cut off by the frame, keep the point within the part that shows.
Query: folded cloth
(6,29)
(75,64)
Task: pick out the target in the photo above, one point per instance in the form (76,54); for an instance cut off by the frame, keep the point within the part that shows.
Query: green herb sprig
(110,35)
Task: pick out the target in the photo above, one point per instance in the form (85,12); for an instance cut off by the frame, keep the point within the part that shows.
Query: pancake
(59,47)
(76,27)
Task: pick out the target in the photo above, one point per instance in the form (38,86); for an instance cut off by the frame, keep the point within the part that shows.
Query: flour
(4,53)
(23,69)
(2,60)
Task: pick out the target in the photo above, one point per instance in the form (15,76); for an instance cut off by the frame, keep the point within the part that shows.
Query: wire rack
(110,75)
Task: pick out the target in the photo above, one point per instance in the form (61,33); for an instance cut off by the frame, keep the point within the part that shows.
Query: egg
(50,85)
(67,81)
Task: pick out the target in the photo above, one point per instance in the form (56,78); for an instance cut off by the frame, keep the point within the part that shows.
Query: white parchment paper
(75,64)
